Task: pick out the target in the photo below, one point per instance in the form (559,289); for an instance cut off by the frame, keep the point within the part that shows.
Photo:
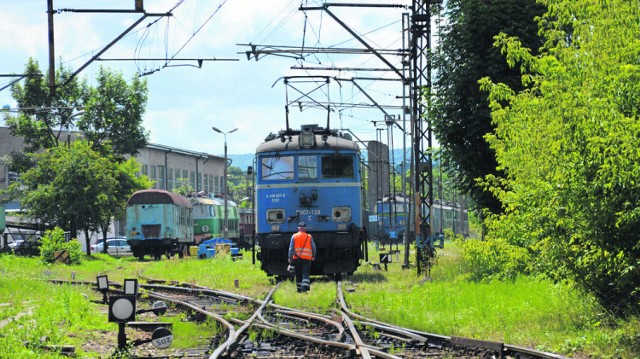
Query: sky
(186,101)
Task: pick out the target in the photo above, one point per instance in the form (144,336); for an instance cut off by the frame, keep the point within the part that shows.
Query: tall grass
(321,298)
(38,313)
(527,311)
(220,272)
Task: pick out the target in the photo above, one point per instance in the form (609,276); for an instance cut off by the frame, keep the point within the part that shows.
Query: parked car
(15,244)
(115,246)
(25,247)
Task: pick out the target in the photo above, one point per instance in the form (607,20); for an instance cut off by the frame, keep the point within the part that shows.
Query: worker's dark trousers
(303,270)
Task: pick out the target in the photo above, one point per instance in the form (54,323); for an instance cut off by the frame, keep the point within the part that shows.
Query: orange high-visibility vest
(302,246)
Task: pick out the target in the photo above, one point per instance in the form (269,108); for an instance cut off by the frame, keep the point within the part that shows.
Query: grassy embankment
(528,312)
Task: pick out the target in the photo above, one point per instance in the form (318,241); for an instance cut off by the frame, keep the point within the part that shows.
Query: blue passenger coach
(312,175)
(159,222)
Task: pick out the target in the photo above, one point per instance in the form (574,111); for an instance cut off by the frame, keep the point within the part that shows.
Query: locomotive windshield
(203,210)
(277,168)
(334,166)
(396,207)
(307,167)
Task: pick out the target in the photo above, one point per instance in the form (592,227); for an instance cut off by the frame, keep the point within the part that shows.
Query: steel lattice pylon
(420,67)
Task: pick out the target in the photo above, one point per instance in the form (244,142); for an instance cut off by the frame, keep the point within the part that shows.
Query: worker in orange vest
(302,251)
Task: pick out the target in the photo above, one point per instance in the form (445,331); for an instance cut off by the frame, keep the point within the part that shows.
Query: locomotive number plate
(306,212)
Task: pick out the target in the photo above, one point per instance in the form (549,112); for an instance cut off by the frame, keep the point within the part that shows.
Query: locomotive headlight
(275,215)
(341,214)
(307,139)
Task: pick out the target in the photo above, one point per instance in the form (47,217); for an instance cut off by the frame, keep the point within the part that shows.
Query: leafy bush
(450,235)
(53,240)
(568,145)
(496,259)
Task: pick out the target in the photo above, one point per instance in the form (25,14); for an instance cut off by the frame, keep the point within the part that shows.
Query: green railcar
(208,217)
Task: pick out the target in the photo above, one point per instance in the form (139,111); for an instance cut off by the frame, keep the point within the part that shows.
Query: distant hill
(241,161)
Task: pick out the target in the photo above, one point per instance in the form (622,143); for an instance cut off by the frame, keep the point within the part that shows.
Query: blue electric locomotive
(392,214)
(310,175)
(158,222)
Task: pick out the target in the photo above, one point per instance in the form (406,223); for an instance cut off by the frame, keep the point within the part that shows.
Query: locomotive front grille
(151,230)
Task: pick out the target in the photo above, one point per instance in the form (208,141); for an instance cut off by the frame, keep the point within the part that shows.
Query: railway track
(245,327)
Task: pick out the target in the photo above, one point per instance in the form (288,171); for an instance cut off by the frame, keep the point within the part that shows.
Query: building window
(193,180)
(161,177)
(153,176)
(145,170)
(170,178)
(200,184)
(211,189)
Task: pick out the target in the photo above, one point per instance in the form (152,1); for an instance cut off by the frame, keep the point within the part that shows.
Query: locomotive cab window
(400,208)
(277,168)
(337,166)
(203,210)
(307,167)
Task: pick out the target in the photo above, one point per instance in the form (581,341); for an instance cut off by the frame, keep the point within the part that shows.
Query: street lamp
(226,191)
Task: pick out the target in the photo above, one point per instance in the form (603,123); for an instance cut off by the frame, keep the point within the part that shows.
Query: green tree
(461,115)
(42,120)
(239,185)
(183,187)
(568,145)
(110,121)
(112,111)
(113,114)
(77,187)
(236,175)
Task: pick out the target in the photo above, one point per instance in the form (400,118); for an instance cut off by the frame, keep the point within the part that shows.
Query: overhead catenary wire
(172,55)
(199,29)
(143,38)
(316,55)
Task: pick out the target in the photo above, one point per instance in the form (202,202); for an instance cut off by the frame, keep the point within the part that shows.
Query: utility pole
(52,55)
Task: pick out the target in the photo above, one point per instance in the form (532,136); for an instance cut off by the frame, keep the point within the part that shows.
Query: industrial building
(164,165)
